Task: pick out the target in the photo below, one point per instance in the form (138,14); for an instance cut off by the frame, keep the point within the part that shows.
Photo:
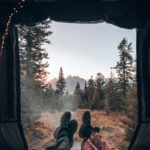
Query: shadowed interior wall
(11,133)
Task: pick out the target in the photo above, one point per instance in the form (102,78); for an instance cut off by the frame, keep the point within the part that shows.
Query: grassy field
(39,134)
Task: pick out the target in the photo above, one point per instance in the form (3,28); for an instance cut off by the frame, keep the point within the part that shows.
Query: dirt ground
(39,134)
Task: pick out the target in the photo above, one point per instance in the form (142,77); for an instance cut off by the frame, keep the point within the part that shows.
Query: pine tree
(96,104)
(112,94)
(33,57)
(124,69)
(33,62)
(60,84)
(132,109)
(78,95)
(91,88)
(100,89)
(85,96)
(77,89)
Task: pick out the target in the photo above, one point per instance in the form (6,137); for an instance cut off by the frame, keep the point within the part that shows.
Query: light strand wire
(14,11)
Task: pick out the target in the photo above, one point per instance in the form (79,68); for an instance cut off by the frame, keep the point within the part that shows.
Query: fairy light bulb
(15,10)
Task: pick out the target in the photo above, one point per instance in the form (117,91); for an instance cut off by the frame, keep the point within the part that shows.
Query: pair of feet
(68,127)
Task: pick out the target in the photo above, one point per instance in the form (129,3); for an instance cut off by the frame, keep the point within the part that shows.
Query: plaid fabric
(95,142)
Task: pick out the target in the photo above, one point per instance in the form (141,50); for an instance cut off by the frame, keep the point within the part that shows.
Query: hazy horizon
(85,49)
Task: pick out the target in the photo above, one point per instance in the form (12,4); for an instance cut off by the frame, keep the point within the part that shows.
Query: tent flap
(118,12)
(10,137)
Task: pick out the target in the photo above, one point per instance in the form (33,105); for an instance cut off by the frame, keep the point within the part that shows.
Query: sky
(85,49)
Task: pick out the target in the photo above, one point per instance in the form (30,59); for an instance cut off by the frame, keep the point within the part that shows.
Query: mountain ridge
(71,82)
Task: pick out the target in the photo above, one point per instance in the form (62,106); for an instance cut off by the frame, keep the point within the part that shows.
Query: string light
(15,10)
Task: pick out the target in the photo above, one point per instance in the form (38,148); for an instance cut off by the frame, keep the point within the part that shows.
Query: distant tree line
(112,93)
(100,93)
